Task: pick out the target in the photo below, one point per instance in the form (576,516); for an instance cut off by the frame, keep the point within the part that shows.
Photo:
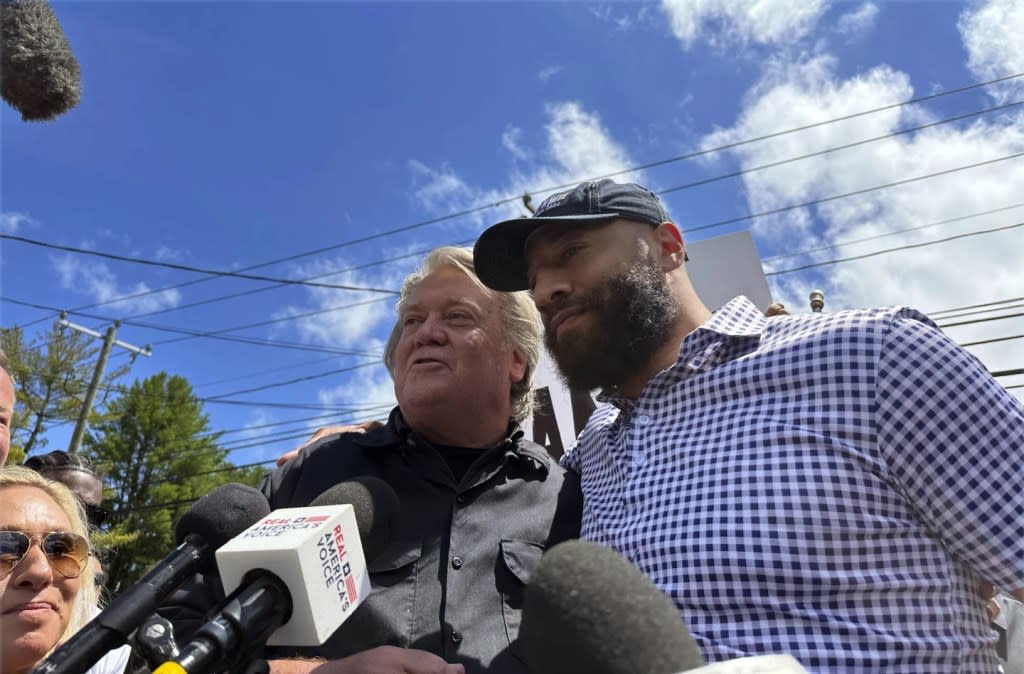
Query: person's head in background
(46,583)
(6,406)
(75,473)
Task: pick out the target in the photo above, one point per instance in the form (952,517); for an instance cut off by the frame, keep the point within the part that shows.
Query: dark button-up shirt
(452,579)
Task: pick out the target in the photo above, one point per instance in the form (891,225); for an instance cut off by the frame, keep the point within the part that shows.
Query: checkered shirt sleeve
(954,441)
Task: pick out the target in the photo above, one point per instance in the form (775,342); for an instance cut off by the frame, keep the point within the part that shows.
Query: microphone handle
(112,627)
(243,623)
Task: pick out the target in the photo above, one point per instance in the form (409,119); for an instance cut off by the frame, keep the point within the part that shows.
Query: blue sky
(226,135)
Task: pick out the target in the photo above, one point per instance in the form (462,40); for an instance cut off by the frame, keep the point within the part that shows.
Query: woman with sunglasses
(46,585)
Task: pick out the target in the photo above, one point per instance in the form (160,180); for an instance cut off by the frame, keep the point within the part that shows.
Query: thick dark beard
(633,315)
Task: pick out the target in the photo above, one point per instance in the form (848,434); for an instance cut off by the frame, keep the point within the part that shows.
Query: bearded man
(817,485)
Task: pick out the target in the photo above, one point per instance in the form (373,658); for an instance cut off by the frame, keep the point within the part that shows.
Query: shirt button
(644,419)
(456,563)
(460,499)
(639,459)
(456,638)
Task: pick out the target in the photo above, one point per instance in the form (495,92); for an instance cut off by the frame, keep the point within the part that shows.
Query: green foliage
(157,455)
(52,374)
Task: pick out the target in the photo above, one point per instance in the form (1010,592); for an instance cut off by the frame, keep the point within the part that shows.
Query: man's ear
(671,251)
(517,369)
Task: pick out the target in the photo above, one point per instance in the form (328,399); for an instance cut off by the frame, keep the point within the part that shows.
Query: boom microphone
(212,521)
(588,609)
(39,75)
(299,573)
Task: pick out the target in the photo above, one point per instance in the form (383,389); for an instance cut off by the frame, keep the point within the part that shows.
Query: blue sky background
(226,135)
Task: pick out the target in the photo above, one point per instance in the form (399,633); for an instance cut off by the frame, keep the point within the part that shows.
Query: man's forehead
(556,232)
(430,291)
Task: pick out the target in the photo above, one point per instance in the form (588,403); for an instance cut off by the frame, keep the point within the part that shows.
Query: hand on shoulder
(364,427)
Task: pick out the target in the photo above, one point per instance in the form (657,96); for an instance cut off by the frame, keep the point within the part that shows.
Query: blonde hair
(518,315)
(85,600)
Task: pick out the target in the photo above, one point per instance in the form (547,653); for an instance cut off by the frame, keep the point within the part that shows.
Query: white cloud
(352,327)
(578,147)
(511,141)
(968,271)
(12,221)
(859,20)
(622,21)
(96,281)
(722,23)
(369,391)
(992,34)
(168,254)
(438,189)
(549,72)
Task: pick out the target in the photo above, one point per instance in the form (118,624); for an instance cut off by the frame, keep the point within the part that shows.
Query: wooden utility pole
(97,376)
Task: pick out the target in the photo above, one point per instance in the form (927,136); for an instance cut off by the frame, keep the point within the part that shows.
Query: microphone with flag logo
(293,577)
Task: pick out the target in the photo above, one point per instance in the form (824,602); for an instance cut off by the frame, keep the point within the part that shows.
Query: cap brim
(499,255)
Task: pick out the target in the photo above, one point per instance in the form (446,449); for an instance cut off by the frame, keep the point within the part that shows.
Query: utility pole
(97,376)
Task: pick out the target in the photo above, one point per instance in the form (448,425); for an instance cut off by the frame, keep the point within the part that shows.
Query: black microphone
(39,75)
(266,601)
(588,609)
(210,523)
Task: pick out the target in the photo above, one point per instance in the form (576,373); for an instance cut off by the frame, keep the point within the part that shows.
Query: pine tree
(51,376)
(158,456)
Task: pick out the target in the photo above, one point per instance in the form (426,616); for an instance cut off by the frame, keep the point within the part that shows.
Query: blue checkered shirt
(832,486)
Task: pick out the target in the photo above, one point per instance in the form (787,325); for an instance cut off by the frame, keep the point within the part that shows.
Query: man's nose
(549,288)
(431,331)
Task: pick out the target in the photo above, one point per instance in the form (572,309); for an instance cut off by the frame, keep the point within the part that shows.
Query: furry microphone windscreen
(39,75)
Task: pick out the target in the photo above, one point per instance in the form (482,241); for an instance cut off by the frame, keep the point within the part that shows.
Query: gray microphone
(588,609)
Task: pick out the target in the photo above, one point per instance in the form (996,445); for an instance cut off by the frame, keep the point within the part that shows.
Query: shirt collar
(396,433)
(727,333)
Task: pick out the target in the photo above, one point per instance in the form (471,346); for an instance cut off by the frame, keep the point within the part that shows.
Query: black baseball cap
(499,256)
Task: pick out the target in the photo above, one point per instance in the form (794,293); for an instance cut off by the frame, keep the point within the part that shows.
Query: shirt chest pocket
(517,560)
(387,617)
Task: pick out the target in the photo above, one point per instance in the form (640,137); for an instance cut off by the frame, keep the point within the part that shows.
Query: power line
(289,382)
(510,199)
(260,373)
(990,341)
(979,320)
(282,319)
(975,306)
(982,311)
(254,291)
(866,190)
(885,251)
(197,270)
(686,186)
(850,242)
(296,346)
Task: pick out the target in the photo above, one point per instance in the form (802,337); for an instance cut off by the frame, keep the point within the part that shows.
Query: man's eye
(570,251)
(411,320)
(459,316)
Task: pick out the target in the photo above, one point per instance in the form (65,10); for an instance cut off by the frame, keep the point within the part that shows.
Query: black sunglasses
(96,515)
(67,553)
